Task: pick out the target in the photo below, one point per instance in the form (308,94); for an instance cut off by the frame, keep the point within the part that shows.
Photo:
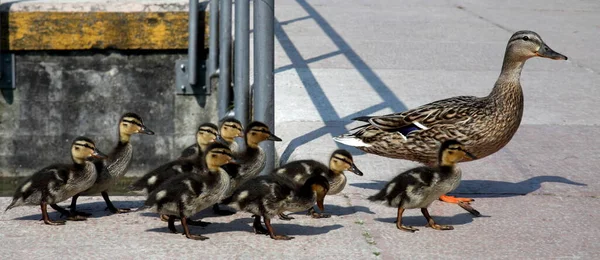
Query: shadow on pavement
(489,188)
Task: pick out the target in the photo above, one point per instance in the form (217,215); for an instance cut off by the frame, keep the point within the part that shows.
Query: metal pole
(193,42)
(242,60)
(224,56)
(264,92)
(213,40)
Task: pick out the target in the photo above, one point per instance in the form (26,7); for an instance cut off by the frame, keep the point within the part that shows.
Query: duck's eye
(125,124)
(525,38)
(77,148)
(213,155)
(253,133)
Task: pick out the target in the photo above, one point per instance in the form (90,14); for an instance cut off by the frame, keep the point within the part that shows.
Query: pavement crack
(365,231)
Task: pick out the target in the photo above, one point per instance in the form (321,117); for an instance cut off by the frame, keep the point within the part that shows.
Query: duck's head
(84,148)
(341,160)
(527,44)
(217,155)
(320,186)
(230,128)
(131,123)
(257,132)
(453,151)
(207,133)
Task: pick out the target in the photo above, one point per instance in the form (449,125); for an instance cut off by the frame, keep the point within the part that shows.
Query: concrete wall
(81,64)
(61,95)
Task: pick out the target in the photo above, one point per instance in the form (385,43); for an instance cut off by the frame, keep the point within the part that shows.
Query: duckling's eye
(525,38)
(213,155)
(125,124)
(253,133)
(77,148)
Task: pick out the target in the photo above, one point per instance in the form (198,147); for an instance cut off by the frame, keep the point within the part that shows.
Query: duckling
(419,187)
(299,171)
(112,168)
(229,129)
(268,196)
(207,133)
(483,124)
(251,161)
(58,182)
(186,194)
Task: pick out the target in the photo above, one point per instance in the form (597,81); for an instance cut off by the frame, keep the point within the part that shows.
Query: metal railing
(218,64)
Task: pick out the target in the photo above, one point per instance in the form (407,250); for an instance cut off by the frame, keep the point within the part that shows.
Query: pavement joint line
(365,231)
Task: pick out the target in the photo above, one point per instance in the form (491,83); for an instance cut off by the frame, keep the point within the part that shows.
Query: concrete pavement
(343,58)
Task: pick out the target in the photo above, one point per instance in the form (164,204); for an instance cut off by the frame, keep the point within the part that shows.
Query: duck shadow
(245,225)
(489,188)
(459,219)
(336,210)
(96,208)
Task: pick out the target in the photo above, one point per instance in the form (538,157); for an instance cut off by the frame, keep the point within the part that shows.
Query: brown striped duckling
(251,161)
(207,133)
(268,196)
(186,194)
(59,182)
(299,171)
(419,187)
(113,167)
(229,129)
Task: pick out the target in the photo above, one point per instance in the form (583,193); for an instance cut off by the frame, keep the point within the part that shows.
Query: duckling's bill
(273,137)
(355,170)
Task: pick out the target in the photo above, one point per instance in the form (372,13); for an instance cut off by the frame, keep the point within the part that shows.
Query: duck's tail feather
(351,140)
(362,118)
(378,196)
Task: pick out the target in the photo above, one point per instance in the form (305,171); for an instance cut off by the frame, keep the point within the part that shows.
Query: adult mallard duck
(419,187)
(59,182)
(483,124)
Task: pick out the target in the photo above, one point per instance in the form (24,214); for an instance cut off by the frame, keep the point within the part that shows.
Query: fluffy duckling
(207,133)
(58,182)
(229,129)
(251,161)
(299,171)
(112,168)
(186,194)
(268,196)
(419,187)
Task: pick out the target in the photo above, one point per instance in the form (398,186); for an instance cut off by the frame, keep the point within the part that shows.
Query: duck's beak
(546,52)
(320,198)
(241,134)
(145,130)
(98,154)
(355,170)
(273,137)
(232,161)
(470,155)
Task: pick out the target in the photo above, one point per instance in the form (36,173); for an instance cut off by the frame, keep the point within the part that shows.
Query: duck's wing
(447,111)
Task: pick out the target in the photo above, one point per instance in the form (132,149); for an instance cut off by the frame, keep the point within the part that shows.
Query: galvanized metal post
(213,40)
(264,92)
(193,42)
(224,56)
(242,60)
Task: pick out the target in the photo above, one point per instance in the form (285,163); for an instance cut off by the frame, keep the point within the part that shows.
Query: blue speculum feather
(407,129)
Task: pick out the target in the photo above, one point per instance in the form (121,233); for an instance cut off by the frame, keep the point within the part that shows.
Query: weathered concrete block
(62,95)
